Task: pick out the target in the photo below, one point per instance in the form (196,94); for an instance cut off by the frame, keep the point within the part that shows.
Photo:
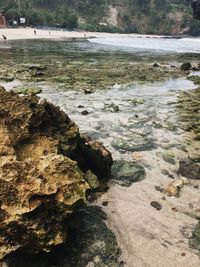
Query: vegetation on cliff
(142,16)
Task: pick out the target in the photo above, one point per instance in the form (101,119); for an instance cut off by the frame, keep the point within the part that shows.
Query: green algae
(188,111)
(194,241)
(195,79)
(126,173)
(28,90)
(82,71)
(169,157)
(7,78)
(136,142)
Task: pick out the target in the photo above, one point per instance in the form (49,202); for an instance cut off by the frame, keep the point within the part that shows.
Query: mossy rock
(7,78)
(92,179)
(126,173)
(62,79)
(157,125)
(111,107)
(194,241)
(137,101)
(169,157)
(186,66)
(137,142)
(195,79)
(25,90)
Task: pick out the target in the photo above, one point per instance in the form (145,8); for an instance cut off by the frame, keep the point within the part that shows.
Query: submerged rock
(137,142)
(173,188)
(7,78)
(46,170)
(87,91)
(195,238)
(126,173)
(85,112)
(137,101)
(195,79)
(156,205)
(189,168)
(111,107)
(169,157)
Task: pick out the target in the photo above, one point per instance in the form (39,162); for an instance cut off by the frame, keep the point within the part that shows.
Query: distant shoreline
(28,33)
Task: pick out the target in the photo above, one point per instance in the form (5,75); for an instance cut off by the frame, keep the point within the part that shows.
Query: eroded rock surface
(46,168)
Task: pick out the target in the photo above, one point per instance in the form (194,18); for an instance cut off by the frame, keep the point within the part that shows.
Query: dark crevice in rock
(89,241)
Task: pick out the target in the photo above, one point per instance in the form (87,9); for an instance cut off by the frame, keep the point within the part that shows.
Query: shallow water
(141,109)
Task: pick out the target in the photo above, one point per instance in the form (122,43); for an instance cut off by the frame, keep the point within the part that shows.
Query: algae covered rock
(169,157)
(186,66)
(189,168)
(7,78)
(195,79)
(125,173)
(195,238)
(44,172)
(137,142)
(28,90)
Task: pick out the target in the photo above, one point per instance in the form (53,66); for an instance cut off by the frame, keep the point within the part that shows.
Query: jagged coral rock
(43,172)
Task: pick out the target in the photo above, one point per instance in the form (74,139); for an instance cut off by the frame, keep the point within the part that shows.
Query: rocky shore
(144,107)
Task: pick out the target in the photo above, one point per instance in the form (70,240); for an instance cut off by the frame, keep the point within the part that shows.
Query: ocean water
(156,44)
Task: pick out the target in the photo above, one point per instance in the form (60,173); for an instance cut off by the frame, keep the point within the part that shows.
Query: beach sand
(28,33)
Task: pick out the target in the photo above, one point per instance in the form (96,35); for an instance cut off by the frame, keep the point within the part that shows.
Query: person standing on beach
(34,32)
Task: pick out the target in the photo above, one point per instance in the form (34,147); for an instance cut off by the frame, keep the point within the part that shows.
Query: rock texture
(46,169)
(189,168)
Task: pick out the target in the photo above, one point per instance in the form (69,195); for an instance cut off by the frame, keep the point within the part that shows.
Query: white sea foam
(155,44)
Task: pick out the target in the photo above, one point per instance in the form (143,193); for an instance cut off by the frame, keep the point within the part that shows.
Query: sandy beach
(28,33)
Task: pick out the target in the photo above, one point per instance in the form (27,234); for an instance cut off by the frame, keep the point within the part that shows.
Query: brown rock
(45,170)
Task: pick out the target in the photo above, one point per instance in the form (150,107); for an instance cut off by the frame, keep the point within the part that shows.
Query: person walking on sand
(34,32)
